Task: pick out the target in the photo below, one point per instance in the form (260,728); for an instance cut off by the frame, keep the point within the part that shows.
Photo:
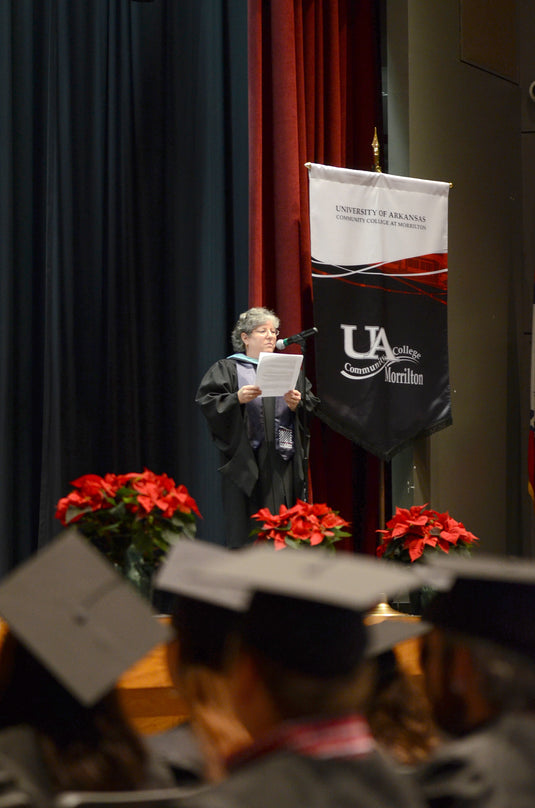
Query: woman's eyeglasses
(263,331)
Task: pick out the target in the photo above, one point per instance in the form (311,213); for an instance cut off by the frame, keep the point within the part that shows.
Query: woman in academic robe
(260,439)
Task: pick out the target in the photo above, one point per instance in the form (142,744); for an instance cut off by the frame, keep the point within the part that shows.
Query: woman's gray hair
(248,321)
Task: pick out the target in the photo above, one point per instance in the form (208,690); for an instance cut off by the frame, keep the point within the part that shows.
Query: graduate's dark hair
(84,748)
(203,630)
(308,654)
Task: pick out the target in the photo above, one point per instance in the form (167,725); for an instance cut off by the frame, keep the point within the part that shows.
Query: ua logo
(378,343)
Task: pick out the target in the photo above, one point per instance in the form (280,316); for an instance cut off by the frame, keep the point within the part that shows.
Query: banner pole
(383,608)
(376,151)
(382,491)
(382,495)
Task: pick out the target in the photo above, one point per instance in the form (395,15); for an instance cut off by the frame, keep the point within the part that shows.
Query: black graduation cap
(349,580)
(80,618)
(204,611)
(491,597)
(307,608)
(184,572)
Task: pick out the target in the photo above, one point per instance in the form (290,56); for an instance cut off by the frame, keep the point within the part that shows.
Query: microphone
(281,344)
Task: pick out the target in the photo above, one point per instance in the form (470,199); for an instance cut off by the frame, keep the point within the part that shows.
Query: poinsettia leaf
(416,549)
(76,513)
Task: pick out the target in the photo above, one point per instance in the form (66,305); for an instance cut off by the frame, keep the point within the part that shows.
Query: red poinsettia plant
(304,524)
(417,530)
(132,518)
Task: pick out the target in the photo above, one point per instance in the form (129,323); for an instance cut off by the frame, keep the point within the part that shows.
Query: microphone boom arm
(299,339)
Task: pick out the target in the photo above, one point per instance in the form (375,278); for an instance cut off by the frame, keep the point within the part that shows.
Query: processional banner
(379,247)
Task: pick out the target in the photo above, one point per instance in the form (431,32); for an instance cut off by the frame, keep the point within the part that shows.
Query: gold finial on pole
(375,147)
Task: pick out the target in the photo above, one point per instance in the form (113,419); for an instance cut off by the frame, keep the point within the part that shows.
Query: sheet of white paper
(277,373)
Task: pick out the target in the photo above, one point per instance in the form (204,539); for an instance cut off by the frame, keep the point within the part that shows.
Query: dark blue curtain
(123,243)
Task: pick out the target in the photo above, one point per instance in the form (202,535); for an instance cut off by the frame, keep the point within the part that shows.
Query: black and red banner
(380,268)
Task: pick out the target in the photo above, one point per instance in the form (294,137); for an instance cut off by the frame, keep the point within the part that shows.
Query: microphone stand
(304,423)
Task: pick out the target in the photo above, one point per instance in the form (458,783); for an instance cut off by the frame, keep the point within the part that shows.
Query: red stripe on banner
(406,272)
(436,263)
(409,289)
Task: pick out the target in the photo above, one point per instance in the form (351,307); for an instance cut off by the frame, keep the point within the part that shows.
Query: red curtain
(314,95)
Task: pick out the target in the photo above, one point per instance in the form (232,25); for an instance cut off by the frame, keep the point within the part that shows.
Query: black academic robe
(250,479)
(23,770)
(180,750)
(288,780)
(493,767)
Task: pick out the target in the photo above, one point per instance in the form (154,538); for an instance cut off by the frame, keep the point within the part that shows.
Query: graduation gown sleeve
(217,397)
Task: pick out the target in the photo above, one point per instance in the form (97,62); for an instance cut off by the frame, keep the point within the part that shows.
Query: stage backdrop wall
(123,243)
(123,228)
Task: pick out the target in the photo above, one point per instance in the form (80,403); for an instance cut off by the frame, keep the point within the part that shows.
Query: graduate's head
(77,617)
(203,614)
(311,654)
(307,656)
(302,641)
(480,659)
